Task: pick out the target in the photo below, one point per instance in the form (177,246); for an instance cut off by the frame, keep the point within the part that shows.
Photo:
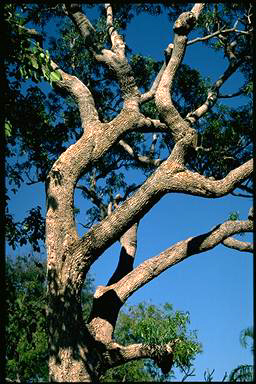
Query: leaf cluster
(26,331)
(146,323)
(30,230)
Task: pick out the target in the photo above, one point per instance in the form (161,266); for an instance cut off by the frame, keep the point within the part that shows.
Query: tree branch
(117,354)
(243,246)
(151,268)
(215,34)
(118,45)
(141,159)
(168,112)
(127,255)
(115,59)
(82,95)
(151,93)
(169,177)
(85,28)
(213,95)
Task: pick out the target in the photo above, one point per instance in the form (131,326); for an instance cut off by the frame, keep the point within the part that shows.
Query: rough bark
(80,352)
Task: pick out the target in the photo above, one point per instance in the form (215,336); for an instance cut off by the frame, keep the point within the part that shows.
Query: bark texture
(79,351)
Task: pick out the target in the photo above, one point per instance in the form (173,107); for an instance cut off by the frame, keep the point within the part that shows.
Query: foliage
(147,323)
(244,372)
(31,229)
(26,332)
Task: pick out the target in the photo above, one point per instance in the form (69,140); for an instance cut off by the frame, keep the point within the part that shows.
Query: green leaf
(34,62)
(7,128)
(55,76)
(234,216)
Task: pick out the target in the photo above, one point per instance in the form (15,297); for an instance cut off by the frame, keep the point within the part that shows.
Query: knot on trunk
(184,23)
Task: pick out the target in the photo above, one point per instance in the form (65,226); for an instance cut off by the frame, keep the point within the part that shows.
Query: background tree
(166,131)
(244,372)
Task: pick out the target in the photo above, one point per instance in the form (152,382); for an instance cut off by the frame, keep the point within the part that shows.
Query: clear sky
(216,287)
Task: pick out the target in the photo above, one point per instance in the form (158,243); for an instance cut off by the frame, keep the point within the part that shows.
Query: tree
(205,150)
(26,330)
(26,336)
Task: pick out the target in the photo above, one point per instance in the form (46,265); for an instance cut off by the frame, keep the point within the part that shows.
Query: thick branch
(168,113)
(78,90)
(151,93)
(115,59)
(151,268)
(127,255)
(117,354)
(163,100)
(118,45)
(83,25)
(243,246)
(169,177)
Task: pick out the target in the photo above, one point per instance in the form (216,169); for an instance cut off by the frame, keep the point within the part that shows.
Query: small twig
(215,34)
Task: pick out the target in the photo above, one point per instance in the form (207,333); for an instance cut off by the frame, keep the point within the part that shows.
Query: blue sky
(215,287)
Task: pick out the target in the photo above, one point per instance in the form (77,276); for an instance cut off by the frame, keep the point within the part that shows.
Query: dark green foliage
(30,230)
(231,132)
(147,323)
(26,328)
(243,373)
(26,332)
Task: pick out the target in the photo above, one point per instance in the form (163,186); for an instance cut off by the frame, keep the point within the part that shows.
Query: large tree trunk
(71,346)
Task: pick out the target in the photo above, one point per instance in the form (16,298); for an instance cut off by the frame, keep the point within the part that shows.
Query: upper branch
(243,246)
(118,45)
(179,128)
(82,95)
(87,31)
(153,267)
(195,184)
(163,100)
(115,58)
(196,10)
(215,34)
(147,160)
(213,93)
